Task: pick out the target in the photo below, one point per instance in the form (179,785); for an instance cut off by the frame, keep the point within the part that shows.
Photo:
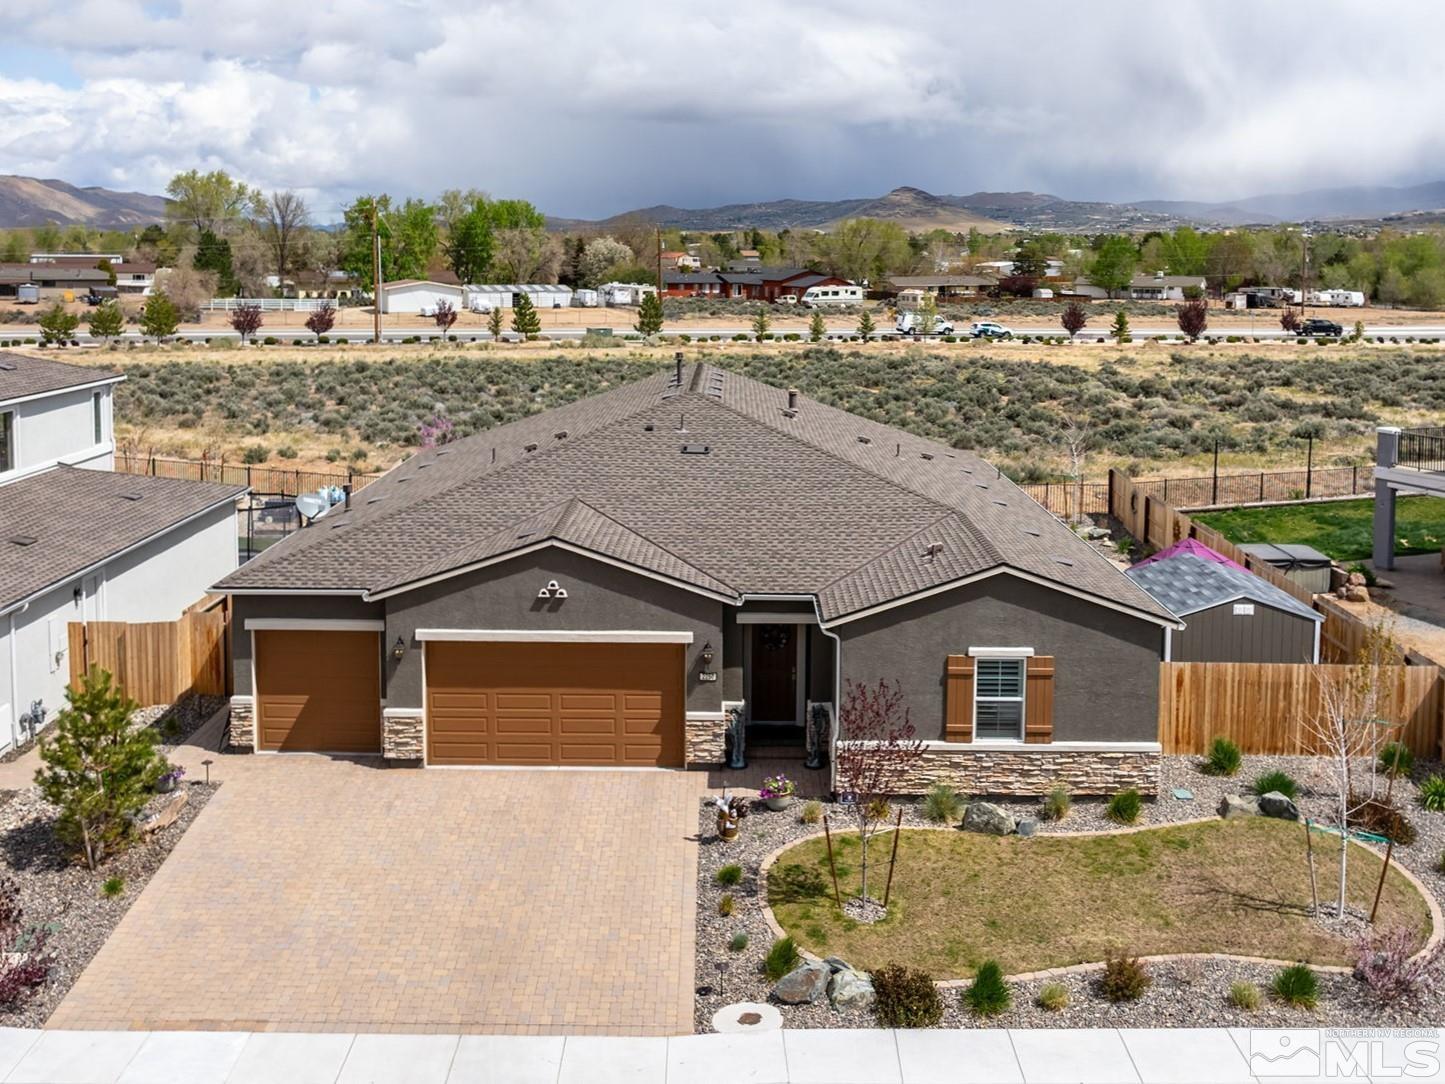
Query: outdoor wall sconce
(552,590)
(398,649)
(707,673)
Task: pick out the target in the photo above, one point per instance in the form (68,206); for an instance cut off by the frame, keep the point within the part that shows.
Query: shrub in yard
(738,942)
(726,905)
(1297,985)
(1224,758)
(1396,759)
(24,961)
(1383,963)
(905,997)
(1057,803)
(1125,978)
(1244,995)
(97,770)
(255,453)
(1381,818)
(1432,794)
(812,812)
(1054,997)
(1124,807)
(287,451)
(728,875)
(113,887)
(942,804)
(781,958)
(1276,781)
(988,994)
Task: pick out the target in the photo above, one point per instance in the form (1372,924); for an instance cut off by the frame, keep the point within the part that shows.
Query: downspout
(837,694)
(15,677)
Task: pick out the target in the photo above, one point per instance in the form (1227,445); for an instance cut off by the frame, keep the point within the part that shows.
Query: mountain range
(28,201)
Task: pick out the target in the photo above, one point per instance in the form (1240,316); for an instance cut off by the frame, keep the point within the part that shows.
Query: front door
(774,674)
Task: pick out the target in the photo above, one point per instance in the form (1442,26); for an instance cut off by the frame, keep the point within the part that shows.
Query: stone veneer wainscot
(1030,771)
(403,734)
(241,727)
(705,738)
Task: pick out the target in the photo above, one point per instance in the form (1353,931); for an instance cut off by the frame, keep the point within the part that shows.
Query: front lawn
(960,898)
(1338,529)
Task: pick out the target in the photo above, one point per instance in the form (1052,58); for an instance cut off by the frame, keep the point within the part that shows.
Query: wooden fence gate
(155,662)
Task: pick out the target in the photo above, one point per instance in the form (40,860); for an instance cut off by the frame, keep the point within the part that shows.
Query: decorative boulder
(1234,806)
(1028,826)
(849,989)
(803,985)
(1357,594)
(988,818)
(837,963)
(1275,804)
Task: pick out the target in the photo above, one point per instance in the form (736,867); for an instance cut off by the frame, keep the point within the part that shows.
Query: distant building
(942,286)
(759,284)
(503,295)
(87,259)
(624,293)
(419,296)
(1162,287)
(51,281)
(135,278)
(682,261)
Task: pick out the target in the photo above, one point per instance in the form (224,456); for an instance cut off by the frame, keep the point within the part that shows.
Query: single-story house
(83,259)
(420,296)
(54,281)
(942,286)
(640,577)
(79,542)
(1230,614)
(135,277)
(1162,287)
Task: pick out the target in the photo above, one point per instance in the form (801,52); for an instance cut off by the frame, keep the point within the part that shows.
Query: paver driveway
(322,895)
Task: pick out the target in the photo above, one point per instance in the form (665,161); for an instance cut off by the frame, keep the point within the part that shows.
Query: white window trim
(1015,654)
(554,636)
(312,624)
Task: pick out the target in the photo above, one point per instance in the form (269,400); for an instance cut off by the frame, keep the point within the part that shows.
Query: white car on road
(987,329)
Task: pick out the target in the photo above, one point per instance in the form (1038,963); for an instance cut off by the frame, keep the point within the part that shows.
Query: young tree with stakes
(927,315)
(649,315)
(246,320)
(445,316)
(877,751)
(107,321)
(1074,318)
(816,327)
(321,320)
(1193,317)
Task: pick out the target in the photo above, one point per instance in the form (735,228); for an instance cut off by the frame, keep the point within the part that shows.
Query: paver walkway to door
(321,895)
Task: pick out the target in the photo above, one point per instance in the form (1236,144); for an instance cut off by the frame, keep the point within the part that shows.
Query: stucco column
(1387,449)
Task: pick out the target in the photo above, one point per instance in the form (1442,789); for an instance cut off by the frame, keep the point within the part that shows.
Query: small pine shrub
(1057,803)
(739,942)
(726,904)
(942,804)
(812,812)
(113,887)
(1124,807)
(1224,758)
(1244,995)
(1276,781)
(1297,986)
(728,875)
(1396,759)
(905,997)
(781,959)
(1432,794)
(1054,997)
(1125,978)
(988,994)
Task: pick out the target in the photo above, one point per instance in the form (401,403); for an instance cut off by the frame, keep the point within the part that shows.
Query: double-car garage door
(537,704)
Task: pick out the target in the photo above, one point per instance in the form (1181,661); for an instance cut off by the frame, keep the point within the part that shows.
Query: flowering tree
(321,320)
(437,429)
(1289,320)
(246,320)
(1193,318)
(876,752)
(445,316)
(1074,318)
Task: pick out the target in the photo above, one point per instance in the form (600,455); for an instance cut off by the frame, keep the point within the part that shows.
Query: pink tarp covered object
(1198,549)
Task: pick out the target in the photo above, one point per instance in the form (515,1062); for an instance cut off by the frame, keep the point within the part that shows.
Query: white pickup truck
(908,323)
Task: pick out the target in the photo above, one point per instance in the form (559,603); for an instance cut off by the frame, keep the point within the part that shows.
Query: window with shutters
(998,699)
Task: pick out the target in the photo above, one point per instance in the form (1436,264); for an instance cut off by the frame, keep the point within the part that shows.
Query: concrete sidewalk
(1109,1056)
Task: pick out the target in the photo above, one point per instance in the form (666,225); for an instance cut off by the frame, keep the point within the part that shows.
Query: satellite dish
(311,505)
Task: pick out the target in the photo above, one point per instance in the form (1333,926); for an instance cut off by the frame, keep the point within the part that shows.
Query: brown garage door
(318,691)
(535,704)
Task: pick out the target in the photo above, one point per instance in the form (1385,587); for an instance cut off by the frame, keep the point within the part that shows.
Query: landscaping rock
(849,989)
(1355,579)
(803,985)
(837,963)
(1027,826)
(1234,806)
(1275,804)
(988,818)
(166,815)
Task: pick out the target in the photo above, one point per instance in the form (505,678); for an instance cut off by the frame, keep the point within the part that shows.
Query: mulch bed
(1186,993)
(61,895)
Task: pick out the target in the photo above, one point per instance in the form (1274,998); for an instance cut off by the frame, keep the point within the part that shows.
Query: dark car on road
(1318,326)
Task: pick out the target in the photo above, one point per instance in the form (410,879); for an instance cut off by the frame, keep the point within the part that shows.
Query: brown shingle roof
(814,501)
(22,376)
(58,523)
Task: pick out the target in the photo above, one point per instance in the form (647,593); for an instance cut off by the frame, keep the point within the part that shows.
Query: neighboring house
(54,281)
(693,284)
(760,284)
(611,581)
(1162,287)
(85,259)
(942,286)
(419,296)
(682,261)
(135,278)
(80,543)
(1230,614)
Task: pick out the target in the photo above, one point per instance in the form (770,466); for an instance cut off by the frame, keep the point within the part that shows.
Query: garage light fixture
(552,590)
(398,649)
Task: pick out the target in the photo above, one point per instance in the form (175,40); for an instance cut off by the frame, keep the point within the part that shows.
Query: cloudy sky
(589,109)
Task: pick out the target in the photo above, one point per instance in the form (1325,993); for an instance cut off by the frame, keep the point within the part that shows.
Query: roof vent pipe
(792,398)
(347,490)
(678,378)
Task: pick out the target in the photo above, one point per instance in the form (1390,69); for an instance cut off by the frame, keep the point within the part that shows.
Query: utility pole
(1304,269)
(659,263)
(375,277)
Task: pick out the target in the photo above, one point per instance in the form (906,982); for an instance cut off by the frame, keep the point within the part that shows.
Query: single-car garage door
(543,703)
(318,691)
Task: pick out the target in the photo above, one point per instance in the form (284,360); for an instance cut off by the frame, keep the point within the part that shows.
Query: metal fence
(274,481)
(1422,449)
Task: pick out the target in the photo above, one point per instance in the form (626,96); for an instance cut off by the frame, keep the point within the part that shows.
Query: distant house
(1162,287)
(693,284)
(53,281)
(682,261)
(135,277)
(760,284)
(419,296)
(76,259)
(945,285)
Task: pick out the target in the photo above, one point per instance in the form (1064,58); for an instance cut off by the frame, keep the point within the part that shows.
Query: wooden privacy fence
(155,662)
(1267,708)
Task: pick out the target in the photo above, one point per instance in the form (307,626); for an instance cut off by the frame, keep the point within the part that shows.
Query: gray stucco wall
(316,607)
(1106,680)
(599,596)
(1268,635)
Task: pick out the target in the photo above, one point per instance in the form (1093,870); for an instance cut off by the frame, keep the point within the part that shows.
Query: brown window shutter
(958,702)
(1039,701)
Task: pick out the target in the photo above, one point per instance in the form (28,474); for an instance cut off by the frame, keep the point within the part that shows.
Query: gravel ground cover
(62,896)
(1185,993)
(177,722)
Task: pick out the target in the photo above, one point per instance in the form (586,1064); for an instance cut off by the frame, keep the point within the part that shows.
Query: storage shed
(487,296)
(1300,564)
(418,296)
(1230,615)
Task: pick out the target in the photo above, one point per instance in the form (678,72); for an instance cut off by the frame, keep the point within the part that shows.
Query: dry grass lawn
(960,898)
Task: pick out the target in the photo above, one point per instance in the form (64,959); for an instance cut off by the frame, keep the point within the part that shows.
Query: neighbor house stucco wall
(161,578)
(60,428)
(600,596)
(1106,669)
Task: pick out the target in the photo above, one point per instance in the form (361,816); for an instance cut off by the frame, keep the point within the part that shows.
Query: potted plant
(169,778)
(777,791)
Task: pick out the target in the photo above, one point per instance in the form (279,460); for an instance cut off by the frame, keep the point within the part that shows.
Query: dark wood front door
(774,674)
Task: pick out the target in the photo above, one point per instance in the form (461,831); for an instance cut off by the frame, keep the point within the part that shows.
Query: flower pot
(782,801)
(165,784)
